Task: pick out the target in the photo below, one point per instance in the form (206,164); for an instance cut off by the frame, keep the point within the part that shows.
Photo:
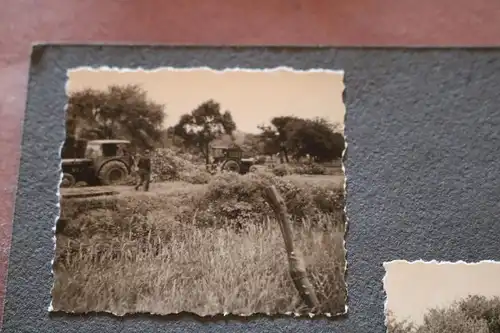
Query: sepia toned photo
(434,297)
(202,191)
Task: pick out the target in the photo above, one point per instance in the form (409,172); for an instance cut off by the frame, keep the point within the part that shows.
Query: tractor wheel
(68,180)
(231,166)
(112,173)
(253,168)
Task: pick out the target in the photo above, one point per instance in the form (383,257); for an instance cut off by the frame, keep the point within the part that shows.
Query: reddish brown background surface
(213,22)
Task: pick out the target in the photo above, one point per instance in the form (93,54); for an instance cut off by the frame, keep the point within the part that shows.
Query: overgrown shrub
(151,263)
(260,160)
(316,169)
(231,196)
(394,326)
(474,314)
(487,309)
(452,320)
(282,170)
(309,169)
(300,169)
(228,199)
(195,176)
(169,166)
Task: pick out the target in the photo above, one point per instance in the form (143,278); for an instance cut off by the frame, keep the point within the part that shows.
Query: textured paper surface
(203,237)
(439,296)
(422,177)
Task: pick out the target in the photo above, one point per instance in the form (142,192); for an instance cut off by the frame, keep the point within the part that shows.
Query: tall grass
(148,253)
(204,271)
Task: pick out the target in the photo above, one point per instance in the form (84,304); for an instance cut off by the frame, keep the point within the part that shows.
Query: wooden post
(296,263)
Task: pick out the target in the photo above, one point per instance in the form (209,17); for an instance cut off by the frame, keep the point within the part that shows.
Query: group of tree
(294,137)
(290,137)
(203,125)
(120,112)
(126,112)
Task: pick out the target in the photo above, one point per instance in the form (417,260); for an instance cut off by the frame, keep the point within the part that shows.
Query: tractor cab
(112,159)
(101,151)
(231,159)
(217,152)
(221,153)
(105,162)
(233,153)
(106,148)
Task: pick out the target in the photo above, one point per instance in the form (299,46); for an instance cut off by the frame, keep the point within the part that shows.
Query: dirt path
(93,191)
(166,187)
(338,180)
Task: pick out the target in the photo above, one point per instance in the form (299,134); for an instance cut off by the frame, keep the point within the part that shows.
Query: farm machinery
(104,162)
(230,159)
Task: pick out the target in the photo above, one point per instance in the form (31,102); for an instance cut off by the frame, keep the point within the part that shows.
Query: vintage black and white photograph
(442,297)
(202,191)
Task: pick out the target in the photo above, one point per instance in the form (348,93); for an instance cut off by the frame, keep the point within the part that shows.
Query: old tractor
(104,162)
(231,159)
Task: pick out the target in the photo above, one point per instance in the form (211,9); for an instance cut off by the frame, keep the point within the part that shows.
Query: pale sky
(413,288)
(253,97)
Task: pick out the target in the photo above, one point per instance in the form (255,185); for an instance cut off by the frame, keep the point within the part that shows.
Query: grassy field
(206,249)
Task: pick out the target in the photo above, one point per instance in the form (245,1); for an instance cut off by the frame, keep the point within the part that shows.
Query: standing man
(144,171)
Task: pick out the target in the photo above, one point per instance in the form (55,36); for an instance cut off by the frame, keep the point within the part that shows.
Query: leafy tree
(275,136)
(315,138)
(480,307)
(474,314)
(251,144)
(452,320)
(227,140)
(203,125)
(170,140)
(301,137)
(283,126)
(120,112)
(270,142)
(395,326)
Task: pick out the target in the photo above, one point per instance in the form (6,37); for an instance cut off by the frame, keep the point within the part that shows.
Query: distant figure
(144,171)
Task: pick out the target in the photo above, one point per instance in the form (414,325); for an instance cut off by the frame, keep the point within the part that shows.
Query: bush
(452,320)
(282,170)
(196,176)
(475,314)
(261,160)
(150,263)
(299,169)
(479,307)
(316,169)
(168,166)
(394,326)
(228,199)
(156,252)
(310,169)
(231,196)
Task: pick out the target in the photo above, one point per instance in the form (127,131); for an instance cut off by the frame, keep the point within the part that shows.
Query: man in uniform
(144,171)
